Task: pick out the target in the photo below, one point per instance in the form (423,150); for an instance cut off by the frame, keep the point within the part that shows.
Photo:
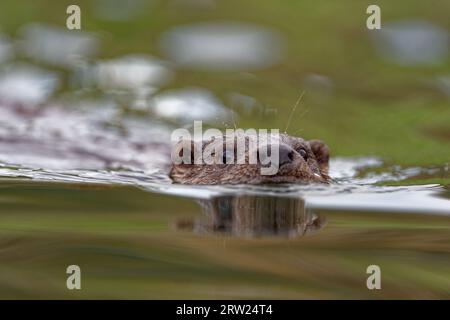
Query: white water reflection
(410,199)
(59,138)
(189,104)
(57,46)
(26,85)
(222,46)
(131,72)
(347,168)
(413,42)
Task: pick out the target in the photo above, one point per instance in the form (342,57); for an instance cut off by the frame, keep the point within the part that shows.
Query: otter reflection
(255,216)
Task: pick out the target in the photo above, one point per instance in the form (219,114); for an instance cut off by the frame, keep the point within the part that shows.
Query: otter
(300,161)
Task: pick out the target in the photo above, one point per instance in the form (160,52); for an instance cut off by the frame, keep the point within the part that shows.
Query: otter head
(299,161)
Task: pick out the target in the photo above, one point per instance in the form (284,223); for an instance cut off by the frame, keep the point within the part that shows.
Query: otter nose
(286,154)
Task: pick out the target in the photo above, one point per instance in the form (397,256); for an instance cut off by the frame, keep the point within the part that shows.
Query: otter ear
(321,153)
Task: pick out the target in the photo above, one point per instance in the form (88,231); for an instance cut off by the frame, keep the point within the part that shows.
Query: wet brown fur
(311,168)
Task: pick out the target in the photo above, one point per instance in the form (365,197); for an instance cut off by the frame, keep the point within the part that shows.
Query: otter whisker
(293,110)
(301,116)
(298,131)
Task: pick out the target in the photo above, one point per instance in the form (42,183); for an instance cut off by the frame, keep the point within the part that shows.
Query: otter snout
(286,154)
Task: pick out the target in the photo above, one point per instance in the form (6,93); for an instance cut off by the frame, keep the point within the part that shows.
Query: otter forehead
(253,141)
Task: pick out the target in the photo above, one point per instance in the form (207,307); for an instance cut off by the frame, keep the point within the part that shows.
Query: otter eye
(303,153)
